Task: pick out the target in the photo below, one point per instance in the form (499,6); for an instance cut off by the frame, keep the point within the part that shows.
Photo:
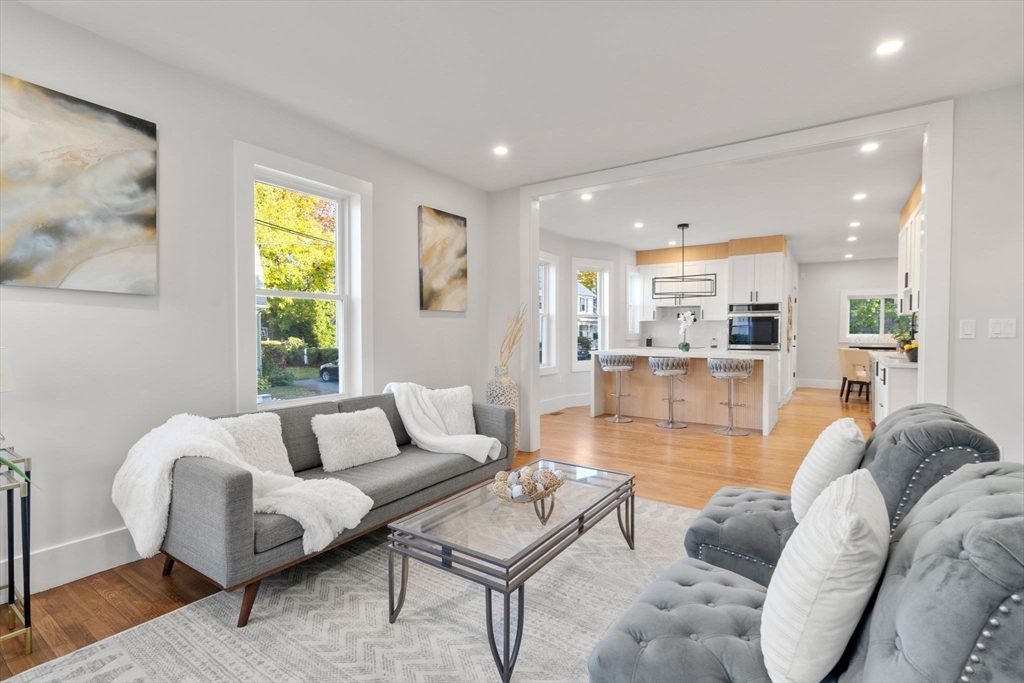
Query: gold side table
(19,604)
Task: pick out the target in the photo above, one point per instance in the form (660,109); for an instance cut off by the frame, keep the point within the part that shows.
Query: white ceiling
(571,87)
(807,196)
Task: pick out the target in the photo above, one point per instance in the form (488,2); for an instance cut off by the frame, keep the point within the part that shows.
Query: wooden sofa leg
(247,602)
(168,565)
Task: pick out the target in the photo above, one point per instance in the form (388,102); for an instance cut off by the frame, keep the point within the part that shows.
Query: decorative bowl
(526,485)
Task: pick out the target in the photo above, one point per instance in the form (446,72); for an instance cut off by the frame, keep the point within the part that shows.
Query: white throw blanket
(142,487)
(426,427)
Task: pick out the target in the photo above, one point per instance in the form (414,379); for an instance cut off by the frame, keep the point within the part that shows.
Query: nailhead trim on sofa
(987,633)
(913,478)
(700,554)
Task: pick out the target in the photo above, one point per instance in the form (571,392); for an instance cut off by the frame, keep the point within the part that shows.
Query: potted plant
(903,331)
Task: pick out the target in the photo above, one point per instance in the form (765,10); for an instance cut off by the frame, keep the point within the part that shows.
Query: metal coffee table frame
(504,576)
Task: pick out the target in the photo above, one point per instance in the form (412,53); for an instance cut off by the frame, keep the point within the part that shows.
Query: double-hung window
(591,323)
(302,235)
(867,316)
(546,277)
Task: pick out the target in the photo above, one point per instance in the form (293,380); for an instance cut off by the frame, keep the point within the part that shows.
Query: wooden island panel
(702,394)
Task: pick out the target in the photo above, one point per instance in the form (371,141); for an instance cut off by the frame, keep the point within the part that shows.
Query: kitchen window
(591,320)
(867,316)
(546,298)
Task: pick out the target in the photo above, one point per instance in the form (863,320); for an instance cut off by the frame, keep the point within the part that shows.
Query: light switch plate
(1002,328)
(967,329)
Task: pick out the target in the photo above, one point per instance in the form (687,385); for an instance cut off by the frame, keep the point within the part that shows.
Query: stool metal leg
(730,430)
(671,423)
(618,402)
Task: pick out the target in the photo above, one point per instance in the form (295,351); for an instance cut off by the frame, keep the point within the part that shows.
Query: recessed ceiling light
(848,256)
(859,196)
(869,147)
(851,239)
(672,243)
(500,150)
(586,197)
(638,225)
(855,224)
(889,47)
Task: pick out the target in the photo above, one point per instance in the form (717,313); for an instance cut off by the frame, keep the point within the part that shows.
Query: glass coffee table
(481,538)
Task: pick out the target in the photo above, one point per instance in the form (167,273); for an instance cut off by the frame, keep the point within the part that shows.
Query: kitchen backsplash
(665,330)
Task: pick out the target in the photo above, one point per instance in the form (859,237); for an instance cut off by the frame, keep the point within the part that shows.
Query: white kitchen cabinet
(911,243)
(647,273)
(757,278)
(717,307)
(769,276)
(893,385)
(742,279)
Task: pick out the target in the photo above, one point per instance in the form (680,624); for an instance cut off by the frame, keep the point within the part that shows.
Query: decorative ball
(501,476)
(548,479)
(502,489)
(517,491)
(525,472)
(540,488)
(528,487)
(512,479)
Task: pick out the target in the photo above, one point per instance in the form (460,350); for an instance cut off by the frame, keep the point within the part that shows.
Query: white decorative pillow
(824,579)
(837,451)
(350,439)
(456,408)
(258,436)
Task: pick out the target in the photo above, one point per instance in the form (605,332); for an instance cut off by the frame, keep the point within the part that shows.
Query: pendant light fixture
(679,287)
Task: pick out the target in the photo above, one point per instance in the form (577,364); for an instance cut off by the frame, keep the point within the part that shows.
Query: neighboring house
(586,300)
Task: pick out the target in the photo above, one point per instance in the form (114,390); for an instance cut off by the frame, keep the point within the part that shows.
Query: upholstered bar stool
(731,369)
(671,368)
(618,363)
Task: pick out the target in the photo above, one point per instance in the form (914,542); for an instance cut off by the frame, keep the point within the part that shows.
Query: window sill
(548,370)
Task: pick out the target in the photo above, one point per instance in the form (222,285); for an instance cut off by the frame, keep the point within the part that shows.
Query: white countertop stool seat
(671,368)
(731,369)
(617,363)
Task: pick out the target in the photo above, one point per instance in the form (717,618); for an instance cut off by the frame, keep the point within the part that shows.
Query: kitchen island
(702,394)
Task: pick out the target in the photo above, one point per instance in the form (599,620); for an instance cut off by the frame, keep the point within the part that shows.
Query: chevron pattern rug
(326,619)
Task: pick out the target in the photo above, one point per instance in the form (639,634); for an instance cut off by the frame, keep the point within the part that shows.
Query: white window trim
(631,273)
(551,313)
(603,287)
(844,315)
(355,268)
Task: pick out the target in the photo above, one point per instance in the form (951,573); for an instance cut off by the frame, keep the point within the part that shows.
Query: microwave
(754,327)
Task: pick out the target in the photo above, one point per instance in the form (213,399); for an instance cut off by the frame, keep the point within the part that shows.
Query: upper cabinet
(647,273)
(757,278)
(911,246)
(717,307)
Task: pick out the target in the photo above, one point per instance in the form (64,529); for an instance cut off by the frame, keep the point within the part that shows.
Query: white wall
(818,311)
(95,371)
(567,388)
(987,378)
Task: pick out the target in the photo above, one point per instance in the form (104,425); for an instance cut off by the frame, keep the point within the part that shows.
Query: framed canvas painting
(443,261)
(78,207)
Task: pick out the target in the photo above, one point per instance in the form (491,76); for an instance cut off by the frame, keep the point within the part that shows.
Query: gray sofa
(744,530)
(948,607)
(211,526)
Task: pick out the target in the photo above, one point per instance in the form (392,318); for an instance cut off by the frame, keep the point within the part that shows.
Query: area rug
(326,619)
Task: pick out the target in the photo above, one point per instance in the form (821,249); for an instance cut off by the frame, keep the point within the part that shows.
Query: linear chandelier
(679,287)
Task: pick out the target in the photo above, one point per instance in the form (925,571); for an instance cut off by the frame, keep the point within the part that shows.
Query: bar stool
(670,367)
(731,369)
(617,363)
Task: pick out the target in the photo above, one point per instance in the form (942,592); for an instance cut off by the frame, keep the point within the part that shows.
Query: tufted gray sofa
(948,608)
(745,530)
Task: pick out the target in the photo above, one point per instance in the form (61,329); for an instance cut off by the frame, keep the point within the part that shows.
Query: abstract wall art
(77,193)
(443,261)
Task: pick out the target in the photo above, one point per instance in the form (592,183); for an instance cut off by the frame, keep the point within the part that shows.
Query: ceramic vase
(502,391)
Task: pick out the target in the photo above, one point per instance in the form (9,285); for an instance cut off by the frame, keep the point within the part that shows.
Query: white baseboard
(557,403)
(819,383)
(60,564)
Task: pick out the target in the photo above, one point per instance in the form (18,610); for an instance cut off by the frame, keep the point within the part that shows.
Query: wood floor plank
(682,467)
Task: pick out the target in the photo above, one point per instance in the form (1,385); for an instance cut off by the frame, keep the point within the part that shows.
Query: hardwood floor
(682,467)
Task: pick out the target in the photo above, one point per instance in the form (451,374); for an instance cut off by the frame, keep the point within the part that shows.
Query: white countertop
(670,351)
(891,359)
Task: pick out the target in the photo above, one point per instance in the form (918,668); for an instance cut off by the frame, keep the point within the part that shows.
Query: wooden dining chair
(856,367)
